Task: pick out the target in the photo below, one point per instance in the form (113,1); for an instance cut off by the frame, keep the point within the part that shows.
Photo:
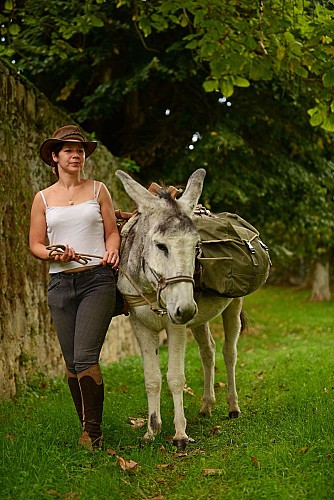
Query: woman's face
(71,157)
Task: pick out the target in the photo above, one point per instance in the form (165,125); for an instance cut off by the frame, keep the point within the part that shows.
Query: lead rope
(84,258)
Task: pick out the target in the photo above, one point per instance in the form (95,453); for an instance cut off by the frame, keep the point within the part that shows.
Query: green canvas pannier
(233,261)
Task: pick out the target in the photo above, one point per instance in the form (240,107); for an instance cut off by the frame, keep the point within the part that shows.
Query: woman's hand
(67,255)
(110,257)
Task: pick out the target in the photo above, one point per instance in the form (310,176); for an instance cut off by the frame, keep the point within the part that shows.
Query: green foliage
(240,42)
(271,167)
(280,447)
(232,44)
(117,67)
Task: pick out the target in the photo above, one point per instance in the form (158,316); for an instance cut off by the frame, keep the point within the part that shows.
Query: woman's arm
(111,234)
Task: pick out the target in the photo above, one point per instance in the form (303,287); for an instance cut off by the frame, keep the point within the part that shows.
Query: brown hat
(69,133)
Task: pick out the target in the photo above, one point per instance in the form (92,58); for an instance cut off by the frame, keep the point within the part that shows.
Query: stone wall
(28,345)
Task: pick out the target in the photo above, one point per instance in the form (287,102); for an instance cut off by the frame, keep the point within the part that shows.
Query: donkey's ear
(143,198)
(193,191)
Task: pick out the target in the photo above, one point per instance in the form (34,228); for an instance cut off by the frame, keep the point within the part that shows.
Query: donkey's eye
(162,248)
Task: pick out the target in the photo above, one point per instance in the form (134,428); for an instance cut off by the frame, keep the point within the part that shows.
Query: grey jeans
(82,305)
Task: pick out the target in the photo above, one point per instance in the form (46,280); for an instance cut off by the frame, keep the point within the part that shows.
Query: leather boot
(92,394)
(73,384)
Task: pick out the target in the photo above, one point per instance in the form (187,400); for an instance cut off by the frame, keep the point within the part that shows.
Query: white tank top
(80,226)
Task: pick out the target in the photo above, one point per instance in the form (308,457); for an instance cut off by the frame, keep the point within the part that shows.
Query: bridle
(162,283)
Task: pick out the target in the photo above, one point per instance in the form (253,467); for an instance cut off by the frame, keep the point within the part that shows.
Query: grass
(282,446)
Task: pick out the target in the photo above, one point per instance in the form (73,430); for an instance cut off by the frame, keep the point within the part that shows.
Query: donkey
(156,278)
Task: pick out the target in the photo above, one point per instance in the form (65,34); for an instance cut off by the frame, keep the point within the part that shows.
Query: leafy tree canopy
(106,50)
(147,75)
(265,162)
(239,42)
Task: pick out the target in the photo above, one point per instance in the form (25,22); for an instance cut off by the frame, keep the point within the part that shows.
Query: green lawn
(282,446)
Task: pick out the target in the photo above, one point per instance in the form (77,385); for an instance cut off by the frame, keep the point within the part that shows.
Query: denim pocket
(54,283)
(105,274)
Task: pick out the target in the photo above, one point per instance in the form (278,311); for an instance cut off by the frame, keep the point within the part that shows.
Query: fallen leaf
(215,430)
(325,389)
(181,454)
(188,390)
(260,375)
(127,465)
(10,436)
(71,496)
(219,385)
(212,472)
(122,388)
(162,449)
(165,466)
(110,452)
(304,449)
(137,423)
(256,462)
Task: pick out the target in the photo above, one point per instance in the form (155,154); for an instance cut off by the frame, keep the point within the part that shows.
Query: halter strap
(163,282)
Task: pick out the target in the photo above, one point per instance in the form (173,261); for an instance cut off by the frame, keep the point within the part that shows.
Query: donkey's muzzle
(183,314)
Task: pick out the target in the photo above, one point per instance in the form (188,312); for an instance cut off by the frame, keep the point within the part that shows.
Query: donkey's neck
(132,258)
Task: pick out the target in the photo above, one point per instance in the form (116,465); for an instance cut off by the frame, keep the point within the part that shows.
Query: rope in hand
(84,258)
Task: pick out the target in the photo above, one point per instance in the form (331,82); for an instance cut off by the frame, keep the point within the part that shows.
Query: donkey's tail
(244,318)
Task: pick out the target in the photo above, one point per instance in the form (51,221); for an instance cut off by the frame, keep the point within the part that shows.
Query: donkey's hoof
(234,414)
(180,444)
(205,413)
(148,437)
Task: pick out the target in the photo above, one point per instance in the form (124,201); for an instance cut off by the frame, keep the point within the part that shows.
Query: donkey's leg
(232,327)
(149,345)
(177,339)
(207,350)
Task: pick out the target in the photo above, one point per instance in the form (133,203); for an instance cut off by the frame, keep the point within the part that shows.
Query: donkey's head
(169,243)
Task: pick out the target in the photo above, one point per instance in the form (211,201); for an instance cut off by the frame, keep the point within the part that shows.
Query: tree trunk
(320,285)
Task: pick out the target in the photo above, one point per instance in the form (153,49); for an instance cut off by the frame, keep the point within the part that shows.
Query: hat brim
(47,147)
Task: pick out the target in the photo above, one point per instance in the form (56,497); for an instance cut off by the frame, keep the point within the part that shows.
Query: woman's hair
(54,165)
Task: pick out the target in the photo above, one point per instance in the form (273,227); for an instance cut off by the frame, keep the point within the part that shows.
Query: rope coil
(84,258)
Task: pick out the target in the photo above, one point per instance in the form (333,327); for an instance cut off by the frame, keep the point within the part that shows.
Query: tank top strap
(97,193)
(43,198)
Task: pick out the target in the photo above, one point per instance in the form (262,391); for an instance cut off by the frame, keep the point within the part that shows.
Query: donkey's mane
(164,194)
(184,221)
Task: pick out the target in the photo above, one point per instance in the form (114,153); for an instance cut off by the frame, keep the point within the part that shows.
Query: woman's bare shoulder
(49,189)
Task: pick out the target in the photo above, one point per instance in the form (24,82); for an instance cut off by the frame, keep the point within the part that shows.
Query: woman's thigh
(94,313)
(63,311)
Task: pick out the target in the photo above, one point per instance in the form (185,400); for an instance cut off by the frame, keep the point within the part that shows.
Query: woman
(79,214)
